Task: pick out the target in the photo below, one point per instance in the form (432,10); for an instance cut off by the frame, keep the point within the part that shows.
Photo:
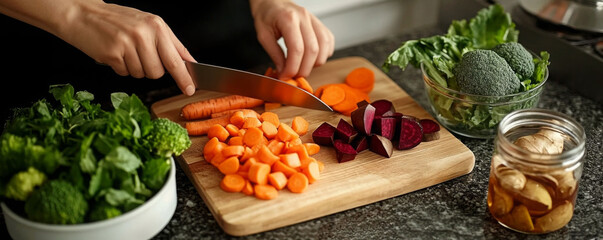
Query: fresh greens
(114,159)
(440,55)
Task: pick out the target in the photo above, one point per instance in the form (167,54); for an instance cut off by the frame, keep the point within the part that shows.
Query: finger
(325,41)
(310,47)
(151,63)
(133,62)
(174,65)
(268,41)
(184,54)
(295,48)
(119,67)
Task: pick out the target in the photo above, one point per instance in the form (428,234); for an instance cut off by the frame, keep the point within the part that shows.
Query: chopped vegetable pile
(69,161)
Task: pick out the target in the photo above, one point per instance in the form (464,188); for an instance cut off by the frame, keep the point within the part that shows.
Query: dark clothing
(219,32)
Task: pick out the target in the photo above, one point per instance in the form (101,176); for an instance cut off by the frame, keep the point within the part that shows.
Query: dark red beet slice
(383,107)
(385,126)
(411,133)
(431,130)
(362,103)
(362,118)
(360,143)
(343,151)
(381,145)
(345,131)
(324,134)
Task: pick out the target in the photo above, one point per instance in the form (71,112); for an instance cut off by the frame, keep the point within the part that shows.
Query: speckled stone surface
(455,209)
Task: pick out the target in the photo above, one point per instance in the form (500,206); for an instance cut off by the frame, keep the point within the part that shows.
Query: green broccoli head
(167,137)
(22,184)
(56,202)
(103,211)
(518,58)
(483,72)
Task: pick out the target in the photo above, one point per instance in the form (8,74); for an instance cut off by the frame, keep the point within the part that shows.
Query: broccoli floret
(102,212)
(56,202)
(167,137)
(518,58)
(22,184)
(483,72)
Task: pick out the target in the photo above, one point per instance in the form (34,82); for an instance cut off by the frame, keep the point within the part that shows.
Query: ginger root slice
(544,141)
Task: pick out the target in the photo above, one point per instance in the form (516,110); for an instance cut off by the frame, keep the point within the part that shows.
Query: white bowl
(143,222)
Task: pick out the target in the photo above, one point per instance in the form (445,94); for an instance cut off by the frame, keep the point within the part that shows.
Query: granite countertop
(455,209)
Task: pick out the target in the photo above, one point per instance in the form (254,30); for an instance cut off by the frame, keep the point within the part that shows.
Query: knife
(233,81)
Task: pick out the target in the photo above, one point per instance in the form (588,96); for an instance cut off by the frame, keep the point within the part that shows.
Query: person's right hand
(131,41)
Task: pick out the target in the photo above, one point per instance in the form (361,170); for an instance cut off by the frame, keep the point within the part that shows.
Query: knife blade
(233,81)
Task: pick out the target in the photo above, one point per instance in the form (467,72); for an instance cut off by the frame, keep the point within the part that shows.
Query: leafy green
(104,156)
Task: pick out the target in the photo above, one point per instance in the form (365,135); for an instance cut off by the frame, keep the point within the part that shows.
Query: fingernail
(189,90)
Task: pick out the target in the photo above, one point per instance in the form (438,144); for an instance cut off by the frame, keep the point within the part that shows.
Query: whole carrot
(204,108)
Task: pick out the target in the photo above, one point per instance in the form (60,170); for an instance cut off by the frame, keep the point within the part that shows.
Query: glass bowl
(476,116)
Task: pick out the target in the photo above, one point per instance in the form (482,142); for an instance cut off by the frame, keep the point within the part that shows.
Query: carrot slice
(204,108)
(247,165)
(246,112)
(269,106)
(258,173)
(333,95)
(279,166)
(304,84)
(291,160)
(276,146)
(229,166)
(237,118)
(232,183)
(269,129)
(218,131)
(277,180)
(270,117)
(298,183)
(292,82)
(265,192)
(232,129)
(312,172)
(235,141)
(285,133)
(251,122)
(248,189)
(301,151)
(321,166)
(248,153)
(266,156)
(300,125)
(210,147)
(198,128)
(235,150)
(253,136)
(306,161)
(312,148)
(361,77)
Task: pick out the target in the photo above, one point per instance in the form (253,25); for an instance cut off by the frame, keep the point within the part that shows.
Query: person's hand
(131,41)
(309,43)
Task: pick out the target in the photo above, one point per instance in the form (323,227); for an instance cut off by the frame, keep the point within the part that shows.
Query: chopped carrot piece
(248,189)
(232,183)
(333,95)
(312,148)
(291,160)
(266,156)
(232,129)
(248,164)
(258,173)
(269,129)
(304,84)
(253,136)
(299,125)
(275,146)
(244,174)
(301,151)
(238,140)
(265,192)
(198,128)
(251,122)
(210,146)
(218,131)
(292,82)
(321,166)
(246,113)
(279,166)
(248,153)
(270,117)
(312,172)
(277,180)
(236,150)
(217,159)
(229,166)
(285,133)
(237,119)
(298,183)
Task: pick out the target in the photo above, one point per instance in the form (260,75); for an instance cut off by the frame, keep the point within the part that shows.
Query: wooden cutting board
(367,179)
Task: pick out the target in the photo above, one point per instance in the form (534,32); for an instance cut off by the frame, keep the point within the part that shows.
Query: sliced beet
(362,103)
(385,126)
(345,131)
(362,118)
(431,130)
(411,133)
(324,134)
(360,143)
(381,145)
(344,151)
(383,107)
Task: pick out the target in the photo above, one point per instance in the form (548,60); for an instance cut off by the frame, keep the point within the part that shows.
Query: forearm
(53,16)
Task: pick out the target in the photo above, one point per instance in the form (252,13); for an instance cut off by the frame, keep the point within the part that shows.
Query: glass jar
(535,170)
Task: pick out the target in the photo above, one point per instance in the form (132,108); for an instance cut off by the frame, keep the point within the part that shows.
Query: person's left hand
(309,43)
